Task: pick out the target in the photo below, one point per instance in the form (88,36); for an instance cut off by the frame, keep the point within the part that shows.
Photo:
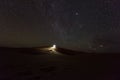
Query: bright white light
(52,48)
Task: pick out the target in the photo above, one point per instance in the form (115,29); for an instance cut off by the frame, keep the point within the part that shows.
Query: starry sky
(74,24)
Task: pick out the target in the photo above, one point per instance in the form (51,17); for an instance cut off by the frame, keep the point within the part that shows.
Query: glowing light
(52,48)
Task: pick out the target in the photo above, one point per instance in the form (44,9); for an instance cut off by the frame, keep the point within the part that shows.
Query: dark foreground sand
(27,65)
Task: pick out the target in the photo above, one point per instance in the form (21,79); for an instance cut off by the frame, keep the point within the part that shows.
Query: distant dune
(69,52)
(20,50)
(38,50)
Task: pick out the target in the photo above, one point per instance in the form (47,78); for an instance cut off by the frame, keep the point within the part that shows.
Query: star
(76,13)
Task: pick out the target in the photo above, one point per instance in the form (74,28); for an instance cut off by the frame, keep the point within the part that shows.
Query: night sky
(74,24)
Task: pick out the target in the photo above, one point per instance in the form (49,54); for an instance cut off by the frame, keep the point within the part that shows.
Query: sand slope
(16,65)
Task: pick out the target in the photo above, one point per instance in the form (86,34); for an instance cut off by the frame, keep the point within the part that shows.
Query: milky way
(74,24)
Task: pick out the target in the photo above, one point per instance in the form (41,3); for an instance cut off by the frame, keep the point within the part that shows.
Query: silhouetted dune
(35,51)
(69,52)
(20,50)
(39,51)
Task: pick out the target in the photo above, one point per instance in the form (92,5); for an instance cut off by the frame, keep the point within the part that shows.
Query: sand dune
(33,64)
